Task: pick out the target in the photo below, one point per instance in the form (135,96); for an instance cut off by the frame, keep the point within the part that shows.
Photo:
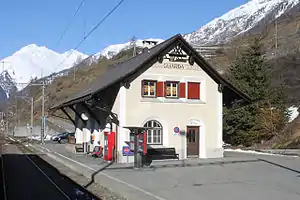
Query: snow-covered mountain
(253,14)
(35,61)
(38,61)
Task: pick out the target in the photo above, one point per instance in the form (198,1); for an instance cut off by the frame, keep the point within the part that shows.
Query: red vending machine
(141,142)
(109,145)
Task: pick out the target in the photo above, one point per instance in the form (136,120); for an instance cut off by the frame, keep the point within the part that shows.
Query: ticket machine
(138,144)
(141,142)
(109,145)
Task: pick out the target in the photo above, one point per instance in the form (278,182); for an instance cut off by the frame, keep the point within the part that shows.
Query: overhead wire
(70,23)
(91,31)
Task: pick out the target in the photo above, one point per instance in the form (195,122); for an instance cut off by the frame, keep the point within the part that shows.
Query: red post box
(109,145)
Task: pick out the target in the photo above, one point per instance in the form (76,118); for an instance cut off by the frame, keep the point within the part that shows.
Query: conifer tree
(266,115)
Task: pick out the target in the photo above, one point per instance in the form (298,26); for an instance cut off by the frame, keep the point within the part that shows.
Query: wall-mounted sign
(194,122)
(126,151)
(176,130)
(180,66)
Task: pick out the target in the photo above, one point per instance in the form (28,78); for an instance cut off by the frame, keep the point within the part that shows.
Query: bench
(160,154)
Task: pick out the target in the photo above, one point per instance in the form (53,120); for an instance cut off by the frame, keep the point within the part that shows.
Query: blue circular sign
(176,130)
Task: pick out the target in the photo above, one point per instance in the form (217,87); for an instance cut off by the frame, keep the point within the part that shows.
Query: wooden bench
(160,154)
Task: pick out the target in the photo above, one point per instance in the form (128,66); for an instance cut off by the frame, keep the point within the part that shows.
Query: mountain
(7,86)
(252,16)
(38,61)
(35,61)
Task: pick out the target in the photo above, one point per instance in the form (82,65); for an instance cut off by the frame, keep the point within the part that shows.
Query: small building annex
(169,88)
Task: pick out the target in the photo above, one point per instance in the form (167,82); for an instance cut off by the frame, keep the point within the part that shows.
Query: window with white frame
(149,88)
(171,89)
(154,134)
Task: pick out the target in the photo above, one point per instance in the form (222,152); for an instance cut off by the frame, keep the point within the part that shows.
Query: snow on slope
(33,61)
(240,20)
(294,113)
(112,50)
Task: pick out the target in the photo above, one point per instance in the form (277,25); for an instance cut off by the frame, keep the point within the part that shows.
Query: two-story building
(169,88)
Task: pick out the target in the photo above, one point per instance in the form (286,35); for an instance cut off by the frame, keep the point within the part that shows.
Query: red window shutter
(182,90)
(142,88)
(160,89)
(194,90)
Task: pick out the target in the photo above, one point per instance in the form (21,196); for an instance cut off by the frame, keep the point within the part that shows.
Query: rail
(55,185)
(3,178)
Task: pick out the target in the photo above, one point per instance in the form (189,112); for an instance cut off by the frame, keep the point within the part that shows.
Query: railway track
(27,176)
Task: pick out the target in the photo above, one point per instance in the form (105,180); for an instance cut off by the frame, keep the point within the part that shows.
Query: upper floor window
(149,88)
(171,89)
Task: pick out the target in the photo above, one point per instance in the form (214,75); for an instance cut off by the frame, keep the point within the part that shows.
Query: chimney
(149,43)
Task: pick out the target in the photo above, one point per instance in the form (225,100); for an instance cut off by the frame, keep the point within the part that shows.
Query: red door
(192,140)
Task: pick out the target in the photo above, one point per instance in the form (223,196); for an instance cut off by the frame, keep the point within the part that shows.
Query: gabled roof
(140,63)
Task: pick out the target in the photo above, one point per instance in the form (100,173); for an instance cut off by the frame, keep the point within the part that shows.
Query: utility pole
(31,119)
(3,62)
(276,36)
(74,71)
(41,73)
(17,115)
(43,114)
(133,44)
(134,49)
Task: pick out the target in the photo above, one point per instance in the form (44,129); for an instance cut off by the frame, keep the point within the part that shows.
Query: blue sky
(42,22)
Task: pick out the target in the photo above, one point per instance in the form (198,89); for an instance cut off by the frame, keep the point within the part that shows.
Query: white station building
(169,88)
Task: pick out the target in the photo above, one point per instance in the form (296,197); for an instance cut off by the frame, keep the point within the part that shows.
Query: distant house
(169,88)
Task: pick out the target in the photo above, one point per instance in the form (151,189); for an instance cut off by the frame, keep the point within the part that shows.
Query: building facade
(180,102)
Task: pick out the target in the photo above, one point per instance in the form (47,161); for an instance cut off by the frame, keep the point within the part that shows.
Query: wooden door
(192,140)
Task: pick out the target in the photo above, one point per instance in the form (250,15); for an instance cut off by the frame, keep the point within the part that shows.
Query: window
(148,88)
(154,135)
(171,89)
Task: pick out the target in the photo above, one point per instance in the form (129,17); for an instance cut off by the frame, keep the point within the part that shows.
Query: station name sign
(180,66)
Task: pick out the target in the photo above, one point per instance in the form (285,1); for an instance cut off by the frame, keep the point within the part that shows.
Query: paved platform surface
(237,176)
